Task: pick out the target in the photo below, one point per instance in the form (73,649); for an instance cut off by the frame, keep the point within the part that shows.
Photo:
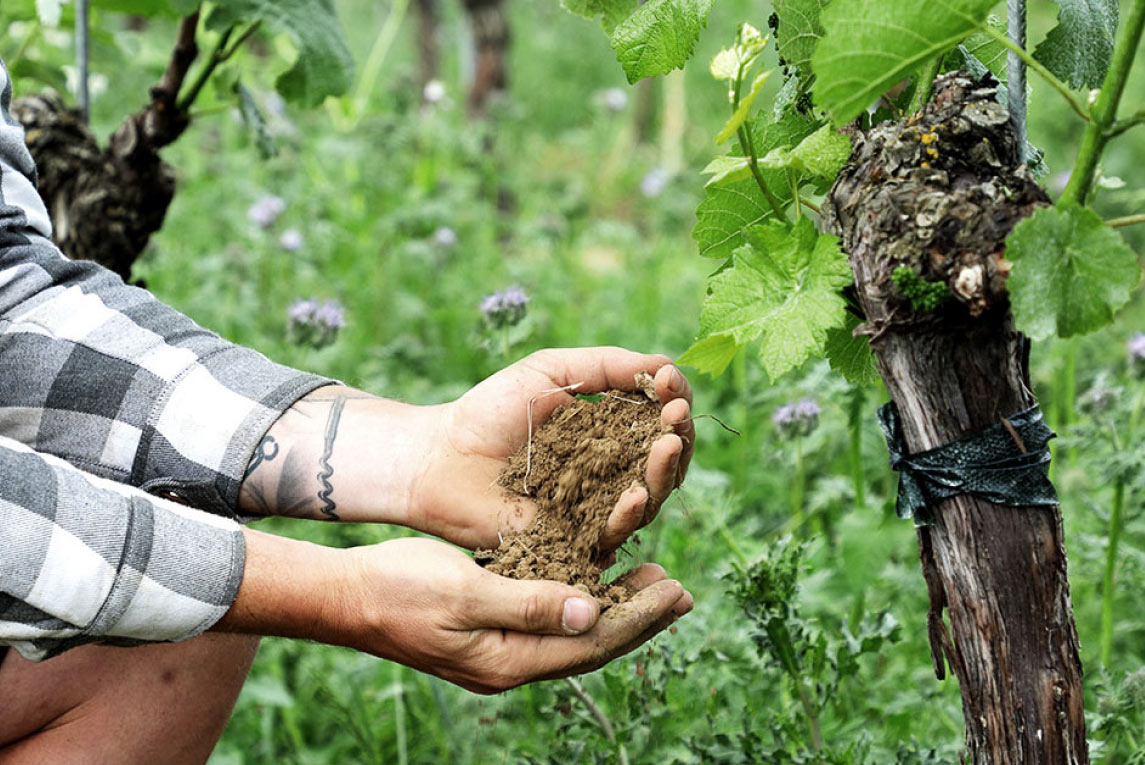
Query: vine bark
(938,193)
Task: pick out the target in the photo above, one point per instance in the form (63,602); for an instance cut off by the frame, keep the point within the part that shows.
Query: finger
(681,607)
(671,384)
(617,631)
(642,577)
(597,369)
(677,415)
(626,517)
(534,607)
(663,463)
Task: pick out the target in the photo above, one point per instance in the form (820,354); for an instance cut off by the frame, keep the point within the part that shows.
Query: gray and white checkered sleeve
(85,559)
(108,378)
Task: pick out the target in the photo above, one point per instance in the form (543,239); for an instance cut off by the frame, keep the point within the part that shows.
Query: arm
(104,376)
(84,559)
(428,606)
(340,454)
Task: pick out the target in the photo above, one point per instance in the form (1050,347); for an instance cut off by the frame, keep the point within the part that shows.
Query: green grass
(602,264)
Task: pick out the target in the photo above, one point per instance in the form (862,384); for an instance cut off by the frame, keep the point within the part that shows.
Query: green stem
(372,69)
(854,426)
(925,80)
(1074,102)
(1128,220)
(747,146)
(1069,394)
(1110,567)
(1105,108)
(794,183)
(812,717)
(400,716)
(743,415)
(797,487)
(219,55)
(33,33)
(1120,126)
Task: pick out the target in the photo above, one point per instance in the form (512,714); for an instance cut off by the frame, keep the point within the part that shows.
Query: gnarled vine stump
(938,193)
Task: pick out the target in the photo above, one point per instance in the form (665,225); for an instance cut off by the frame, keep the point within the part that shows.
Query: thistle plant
(795,421)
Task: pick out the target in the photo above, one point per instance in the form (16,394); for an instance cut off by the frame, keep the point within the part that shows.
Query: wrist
(293,589)
(338,454)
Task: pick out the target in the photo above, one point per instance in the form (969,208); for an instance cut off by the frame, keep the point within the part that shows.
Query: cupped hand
(456,496)
(429,606)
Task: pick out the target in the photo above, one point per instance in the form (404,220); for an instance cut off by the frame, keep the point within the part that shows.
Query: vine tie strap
(1006,463)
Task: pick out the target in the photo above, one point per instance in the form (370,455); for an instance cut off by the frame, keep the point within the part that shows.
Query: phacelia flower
(798,418)
(1136,348)
(654,182)
(504,308)
(315,324)
(291,240)
(614,99)
(265,210)
(445,237)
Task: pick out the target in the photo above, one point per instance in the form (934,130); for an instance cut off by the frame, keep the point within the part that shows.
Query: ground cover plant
(786,533)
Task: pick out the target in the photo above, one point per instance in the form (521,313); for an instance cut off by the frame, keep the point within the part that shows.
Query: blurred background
(363,238)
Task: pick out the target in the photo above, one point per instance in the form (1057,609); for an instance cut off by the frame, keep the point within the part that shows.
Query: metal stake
(1016,73)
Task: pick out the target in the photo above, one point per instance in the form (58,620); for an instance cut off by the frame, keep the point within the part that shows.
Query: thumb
(539,607)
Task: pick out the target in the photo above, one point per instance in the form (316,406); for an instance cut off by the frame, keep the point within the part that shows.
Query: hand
(428,606)
(456,498)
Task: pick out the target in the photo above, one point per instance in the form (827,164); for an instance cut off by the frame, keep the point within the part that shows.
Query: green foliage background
(367,182)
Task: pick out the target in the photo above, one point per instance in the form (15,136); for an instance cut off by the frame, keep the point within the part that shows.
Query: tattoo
(327,470)
(262,453)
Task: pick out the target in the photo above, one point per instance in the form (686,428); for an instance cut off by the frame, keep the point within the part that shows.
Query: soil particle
(575,468)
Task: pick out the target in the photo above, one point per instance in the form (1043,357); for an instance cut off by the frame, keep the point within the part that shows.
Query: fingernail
(576,617)
(676,381)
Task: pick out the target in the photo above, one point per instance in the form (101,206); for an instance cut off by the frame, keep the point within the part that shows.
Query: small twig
(529,446)
(1128,220)
(83,93)
(219,55)
(717,419)
(1014,435)
(622,398)
(1120,126)
(1036,65)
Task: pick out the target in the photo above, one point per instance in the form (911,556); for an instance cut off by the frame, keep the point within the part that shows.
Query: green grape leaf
(610,12)
(323,66)
(783,289)
(989,52)
(149,8)
(729,208)
(851,356)
(821,154)
(726,169)
(799,30)
(659,36)
(739,116)
(1071,272)
(869,45)
(1078,50)
(711,354)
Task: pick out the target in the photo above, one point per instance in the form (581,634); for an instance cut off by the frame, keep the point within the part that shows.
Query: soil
(575,467)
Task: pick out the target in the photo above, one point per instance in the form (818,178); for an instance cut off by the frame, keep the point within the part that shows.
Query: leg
(163,703)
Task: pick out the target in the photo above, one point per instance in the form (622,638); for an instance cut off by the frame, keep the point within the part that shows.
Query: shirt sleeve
(84,559)
(106,377)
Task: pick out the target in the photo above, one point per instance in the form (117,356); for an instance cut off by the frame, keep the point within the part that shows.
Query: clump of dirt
(575,467)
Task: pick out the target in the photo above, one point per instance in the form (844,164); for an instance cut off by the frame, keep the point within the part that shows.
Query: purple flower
(798,418)
(445,237)
(654,182)
(1136,348)
(265,210)
(291,240)
(315,324)
(504,308)
(614,99)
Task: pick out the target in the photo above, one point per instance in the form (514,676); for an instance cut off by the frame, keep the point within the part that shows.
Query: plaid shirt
(107,394)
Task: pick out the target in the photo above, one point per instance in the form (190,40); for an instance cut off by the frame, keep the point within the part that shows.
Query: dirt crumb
(575,468)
